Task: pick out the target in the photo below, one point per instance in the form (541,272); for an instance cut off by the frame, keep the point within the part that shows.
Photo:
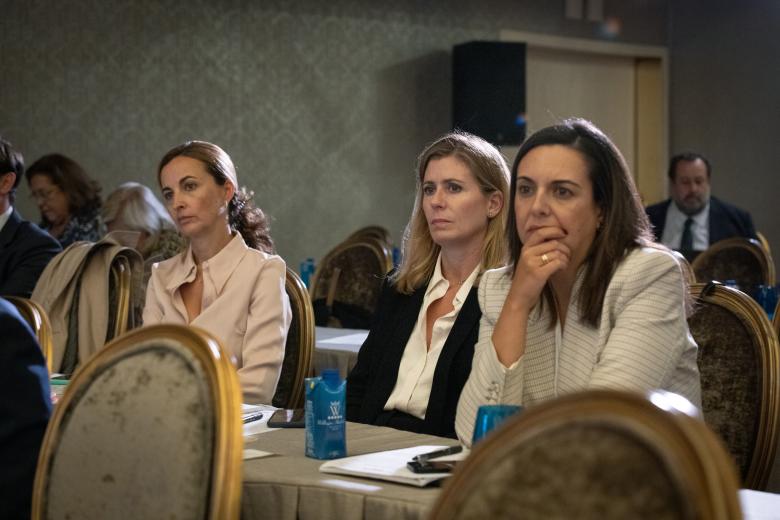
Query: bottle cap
(331,376)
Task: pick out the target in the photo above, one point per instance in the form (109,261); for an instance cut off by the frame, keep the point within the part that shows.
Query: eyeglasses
(43,195)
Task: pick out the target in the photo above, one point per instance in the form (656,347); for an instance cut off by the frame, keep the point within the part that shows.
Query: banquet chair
(87,292)
(375,232)
(739,363)
(149,428)
(121,316)
(35,316)
(600,454)
(299,348)
(743,260)
(347,283)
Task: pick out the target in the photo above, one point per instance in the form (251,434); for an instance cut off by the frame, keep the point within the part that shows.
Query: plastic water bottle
(326,429)
(307,271)
(396,257)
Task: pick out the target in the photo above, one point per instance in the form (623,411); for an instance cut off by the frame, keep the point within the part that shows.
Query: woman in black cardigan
(417,357)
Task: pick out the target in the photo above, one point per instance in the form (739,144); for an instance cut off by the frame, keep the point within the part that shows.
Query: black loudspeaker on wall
(488,90)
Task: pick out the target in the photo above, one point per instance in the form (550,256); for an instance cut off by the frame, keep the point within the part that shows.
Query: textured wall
(725,99)
(322,105)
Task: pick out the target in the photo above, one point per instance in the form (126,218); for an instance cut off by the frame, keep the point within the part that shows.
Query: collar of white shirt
(220,266)
(439,285)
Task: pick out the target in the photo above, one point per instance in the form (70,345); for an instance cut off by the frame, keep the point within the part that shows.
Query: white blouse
(418,364)
(244,305)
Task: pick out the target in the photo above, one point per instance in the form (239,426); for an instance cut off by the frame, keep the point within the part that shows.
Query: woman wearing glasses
(68,199)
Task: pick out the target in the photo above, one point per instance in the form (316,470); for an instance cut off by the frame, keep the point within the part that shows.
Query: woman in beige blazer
(228,281)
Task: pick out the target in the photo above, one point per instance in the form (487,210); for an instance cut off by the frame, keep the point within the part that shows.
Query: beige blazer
(642,342)
(244,305)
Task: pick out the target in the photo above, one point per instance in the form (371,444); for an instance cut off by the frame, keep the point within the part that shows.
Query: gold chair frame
(226,480)
(35,316)
(302,308)
(768,359)
(749,244)
(692,453)
(373,232)
(776,320)
(121,278)
(764,242)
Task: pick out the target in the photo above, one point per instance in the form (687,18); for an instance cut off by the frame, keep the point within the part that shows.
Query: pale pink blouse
(244,305)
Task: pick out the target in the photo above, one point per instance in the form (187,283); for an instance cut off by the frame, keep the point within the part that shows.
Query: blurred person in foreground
(68,199)
(589,301)
(417,356)
(228,281)
(25,249)
(25,407)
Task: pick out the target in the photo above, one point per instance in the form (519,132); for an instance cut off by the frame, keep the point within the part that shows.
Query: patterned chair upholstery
(738,360)
(741,259)
(299,349)
(596,455)
(36,317)
(148,428)
(346,286)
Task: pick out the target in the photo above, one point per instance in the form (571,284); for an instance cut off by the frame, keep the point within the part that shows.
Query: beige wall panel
(601,88)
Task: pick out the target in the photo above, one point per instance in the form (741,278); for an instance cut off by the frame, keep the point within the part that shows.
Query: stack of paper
(388,465)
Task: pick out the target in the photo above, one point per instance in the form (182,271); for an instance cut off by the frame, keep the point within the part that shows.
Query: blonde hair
(139,210)
(490,170)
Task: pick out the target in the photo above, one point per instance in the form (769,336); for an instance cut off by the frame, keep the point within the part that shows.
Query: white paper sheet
(388,465)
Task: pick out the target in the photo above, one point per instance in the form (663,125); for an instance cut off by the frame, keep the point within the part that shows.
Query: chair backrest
(86,291)
(299,349)
(764,242)
(685,267)
(347,283)
(150,427)
(35,316)
(375,232)
(601,454)
(121,316)
(741,259)
(739,362)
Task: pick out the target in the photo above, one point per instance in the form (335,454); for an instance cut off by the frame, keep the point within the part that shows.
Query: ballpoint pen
(253,417)
(438,453)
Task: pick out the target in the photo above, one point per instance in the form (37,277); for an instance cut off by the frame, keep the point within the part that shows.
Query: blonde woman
(417,357)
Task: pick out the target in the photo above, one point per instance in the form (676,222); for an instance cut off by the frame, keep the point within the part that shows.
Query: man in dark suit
(691,220)
(25,407)
(25,249)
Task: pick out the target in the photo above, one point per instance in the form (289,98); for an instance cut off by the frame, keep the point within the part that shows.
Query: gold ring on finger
(545,259)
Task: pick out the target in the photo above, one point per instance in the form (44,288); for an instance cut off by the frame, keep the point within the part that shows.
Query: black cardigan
(373,378)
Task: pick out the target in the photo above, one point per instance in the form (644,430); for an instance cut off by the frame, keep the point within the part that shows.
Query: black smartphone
(431,466)
(287,419)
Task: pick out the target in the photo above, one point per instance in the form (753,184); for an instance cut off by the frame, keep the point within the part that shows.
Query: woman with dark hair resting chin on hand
(588,301)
